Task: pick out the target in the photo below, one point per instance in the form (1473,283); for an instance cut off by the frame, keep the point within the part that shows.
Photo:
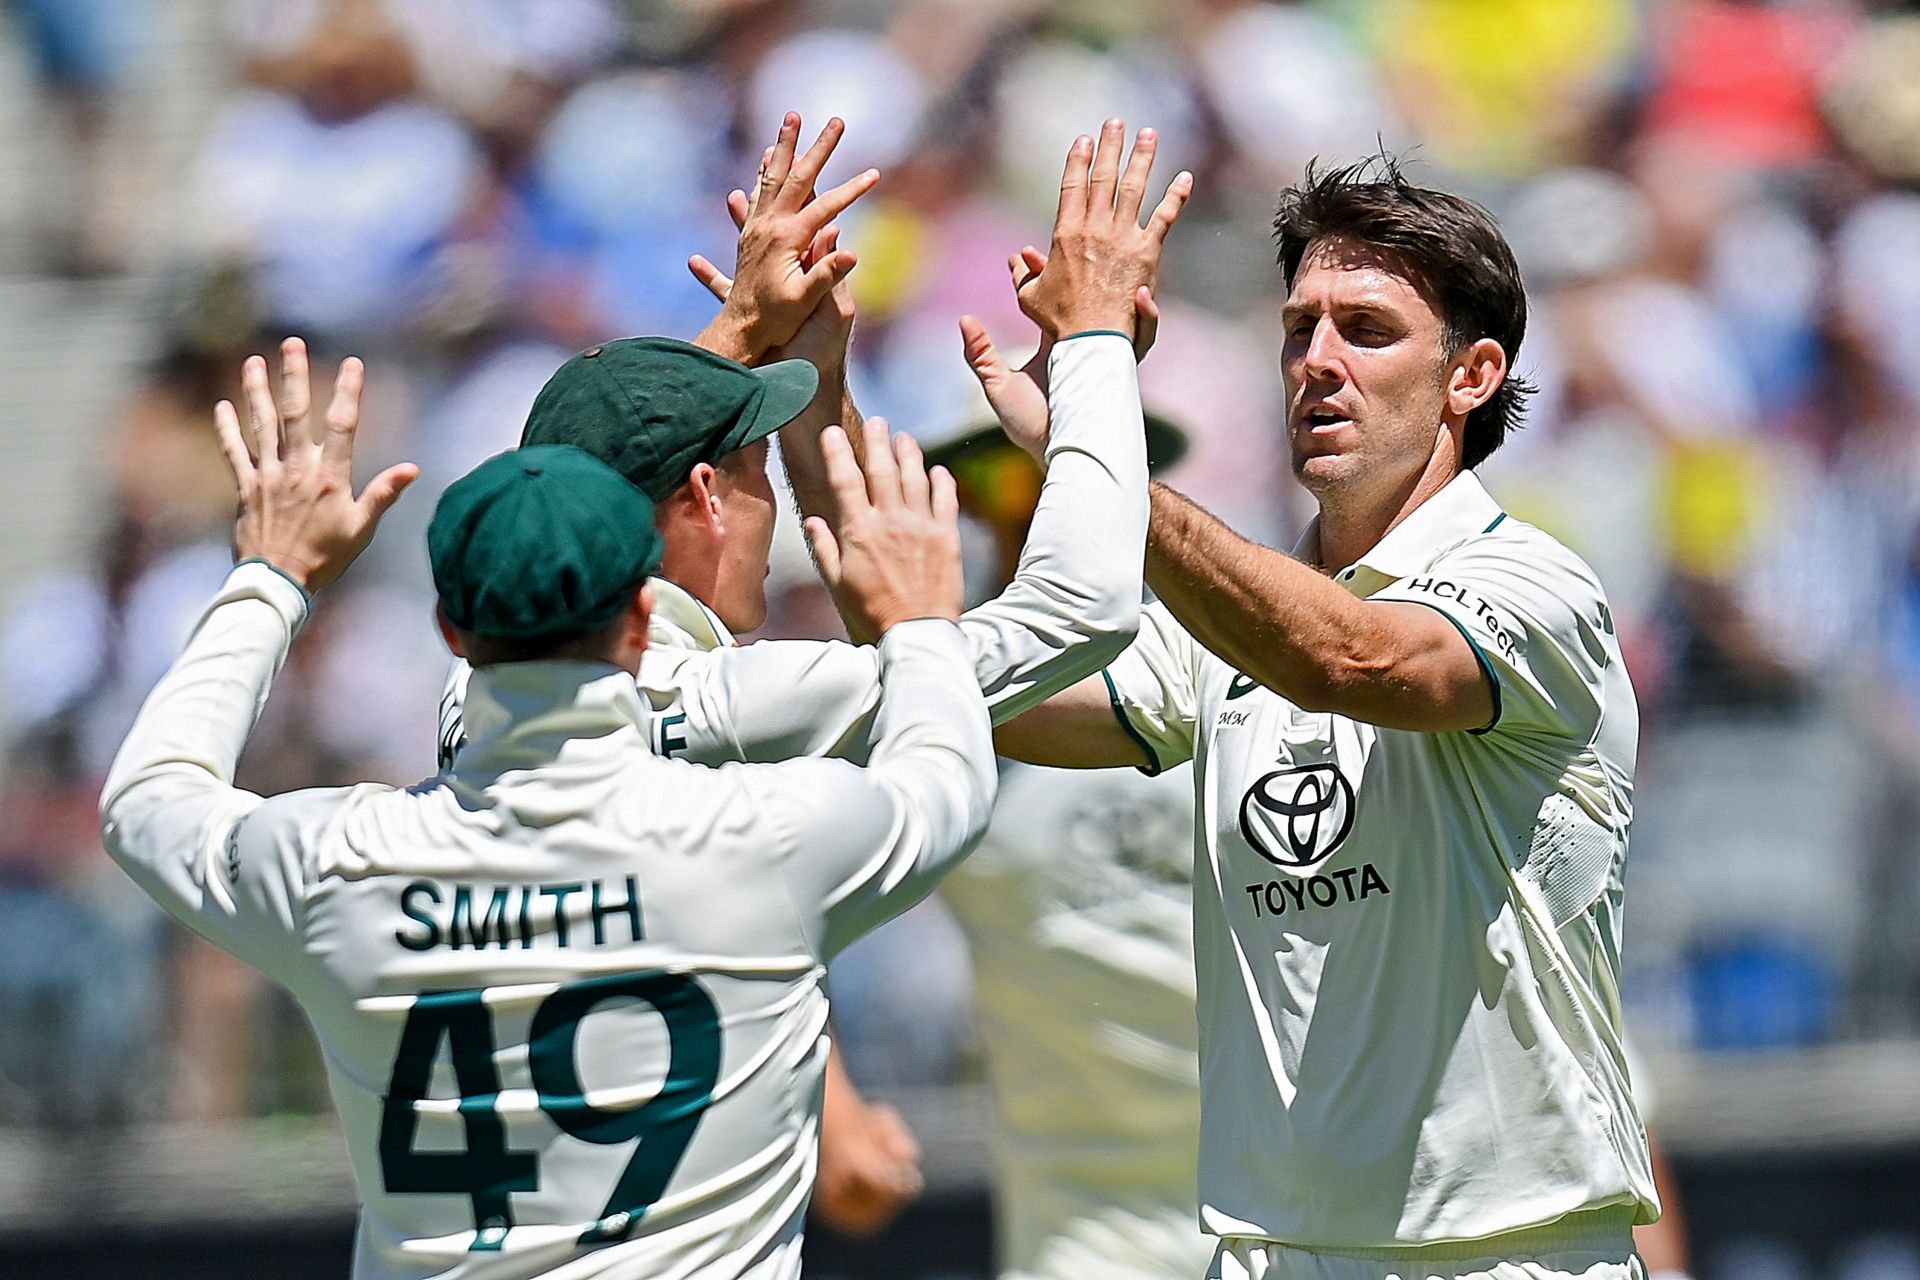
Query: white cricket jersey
(569,994)
(1078,909)
(1407,944)
(1072,606)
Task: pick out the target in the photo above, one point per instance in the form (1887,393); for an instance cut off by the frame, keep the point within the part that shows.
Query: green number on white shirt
(487,1171)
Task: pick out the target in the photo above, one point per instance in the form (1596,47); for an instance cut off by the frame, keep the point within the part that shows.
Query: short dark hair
(1450,248)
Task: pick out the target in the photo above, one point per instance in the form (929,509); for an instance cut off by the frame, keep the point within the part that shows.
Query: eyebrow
(1373,306)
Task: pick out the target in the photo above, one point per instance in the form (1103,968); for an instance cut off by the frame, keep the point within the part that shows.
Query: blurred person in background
(1077,911)
(84,53)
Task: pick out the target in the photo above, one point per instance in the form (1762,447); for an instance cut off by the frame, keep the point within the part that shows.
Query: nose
(1321,358)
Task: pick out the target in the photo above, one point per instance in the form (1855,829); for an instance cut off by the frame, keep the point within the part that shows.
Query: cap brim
(790,386)
(1166,443)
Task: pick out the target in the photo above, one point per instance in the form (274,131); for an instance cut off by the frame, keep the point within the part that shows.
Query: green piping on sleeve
(1479,655)
(1153,766)
(306,596)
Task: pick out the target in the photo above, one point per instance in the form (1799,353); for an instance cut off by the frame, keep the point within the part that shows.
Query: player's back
(570,1001)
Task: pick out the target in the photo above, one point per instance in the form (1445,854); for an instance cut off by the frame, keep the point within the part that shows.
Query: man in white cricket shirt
(1074,600)
(1413,746)
(569,993)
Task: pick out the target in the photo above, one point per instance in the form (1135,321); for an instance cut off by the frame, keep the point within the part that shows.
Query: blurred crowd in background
(1716,205)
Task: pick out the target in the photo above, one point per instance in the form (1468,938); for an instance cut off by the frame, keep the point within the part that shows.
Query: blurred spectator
(83,52)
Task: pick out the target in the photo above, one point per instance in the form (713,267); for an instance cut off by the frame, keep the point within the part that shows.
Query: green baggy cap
(542,541)
(653,408)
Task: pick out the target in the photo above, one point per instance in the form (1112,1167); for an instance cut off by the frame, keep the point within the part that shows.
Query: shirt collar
(520,715)
(680,621)
(1462,509)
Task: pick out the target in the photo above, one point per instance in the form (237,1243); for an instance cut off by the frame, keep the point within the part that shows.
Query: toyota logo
(1297,817)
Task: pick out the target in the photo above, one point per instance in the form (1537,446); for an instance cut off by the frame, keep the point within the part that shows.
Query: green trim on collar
(1153,767)
(1496,523)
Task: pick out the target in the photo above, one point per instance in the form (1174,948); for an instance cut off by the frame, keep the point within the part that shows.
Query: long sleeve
(859,846)
(1074,602)
(170,814)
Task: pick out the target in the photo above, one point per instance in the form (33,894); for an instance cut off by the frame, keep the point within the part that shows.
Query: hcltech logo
(1295,818)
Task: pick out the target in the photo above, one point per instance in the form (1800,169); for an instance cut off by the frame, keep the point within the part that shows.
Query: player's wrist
(732,334)
(293,571)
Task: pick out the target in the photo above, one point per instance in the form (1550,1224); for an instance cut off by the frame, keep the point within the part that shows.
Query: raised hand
(891,552)
(1018,397)
(297,509)
(822,338)
(781,270)
(1101,256)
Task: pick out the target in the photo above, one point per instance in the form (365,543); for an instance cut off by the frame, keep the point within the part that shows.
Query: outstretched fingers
(1105,174)
(883,472)
(713,279)
(233,445)
(1073,184)
(343,415)
(385,489)
(806,170)
(844,478)
(1133,183)
(982,356)
(778,162)
(829,205)
(915,490)
(296,393)
(261,411)
(826,551)
(1167,212)
(946,497)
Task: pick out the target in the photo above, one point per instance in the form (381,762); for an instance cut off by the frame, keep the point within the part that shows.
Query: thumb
(826,551)
(826,273)
(1146,324)
(385,489)
(982,356)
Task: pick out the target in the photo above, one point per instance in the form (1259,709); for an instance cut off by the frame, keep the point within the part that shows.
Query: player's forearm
(1271,617)
(1074,602)
(933,754)
(169,795)
(726,335)
(800,441)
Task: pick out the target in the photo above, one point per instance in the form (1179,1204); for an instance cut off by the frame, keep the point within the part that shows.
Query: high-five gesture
(892,550)
(1101,255)
(783,265)
(297,509)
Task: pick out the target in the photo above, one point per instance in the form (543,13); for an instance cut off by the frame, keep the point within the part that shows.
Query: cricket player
(569,992)
(1074,600)
(1413,744)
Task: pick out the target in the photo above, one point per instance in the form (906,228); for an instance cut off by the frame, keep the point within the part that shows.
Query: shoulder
(1524,569)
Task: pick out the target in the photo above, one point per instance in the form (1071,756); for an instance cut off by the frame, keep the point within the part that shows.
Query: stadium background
(1715,206)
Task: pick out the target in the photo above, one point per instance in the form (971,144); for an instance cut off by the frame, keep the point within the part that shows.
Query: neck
(1352,524)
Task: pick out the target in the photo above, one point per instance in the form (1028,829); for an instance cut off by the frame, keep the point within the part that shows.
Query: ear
(702,491)
(633,636)
(1477,374)
(449,633)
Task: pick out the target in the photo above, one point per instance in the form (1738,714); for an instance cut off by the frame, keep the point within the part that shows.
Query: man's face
(748,510)
(1364,362)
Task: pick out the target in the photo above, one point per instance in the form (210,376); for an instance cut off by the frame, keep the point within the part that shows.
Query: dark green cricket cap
(653,408)
(542,541)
